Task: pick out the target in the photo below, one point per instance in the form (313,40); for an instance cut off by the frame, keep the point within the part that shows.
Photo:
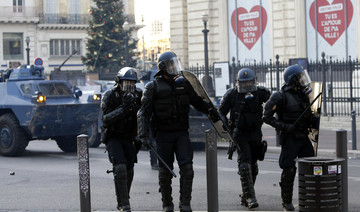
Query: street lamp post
(207,80)
(27,40)
(126,38)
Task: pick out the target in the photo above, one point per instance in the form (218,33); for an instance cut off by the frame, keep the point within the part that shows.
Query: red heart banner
(331,18)
(248,24)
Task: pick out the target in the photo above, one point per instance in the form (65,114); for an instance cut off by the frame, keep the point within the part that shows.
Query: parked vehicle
(33,108)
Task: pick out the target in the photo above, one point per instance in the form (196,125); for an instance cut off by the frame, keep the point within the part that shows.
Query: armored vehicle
(33,108)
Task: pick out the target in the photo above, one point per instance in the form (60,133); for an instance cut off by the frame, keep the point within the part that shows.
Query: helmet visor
(173,66)
(128,86)
(246,86)
(304,78)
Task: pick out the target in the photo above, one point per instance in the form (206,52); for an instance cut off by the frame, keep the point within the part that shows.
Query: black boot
(243,200)
(186,181)
(287,184)
(121,187)
(165,188)
(247,185)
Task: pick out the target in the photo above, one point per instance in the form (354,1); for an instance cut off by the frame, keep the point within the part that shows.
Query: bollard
(84,172)
(211,171)
(353,129)
(341,152)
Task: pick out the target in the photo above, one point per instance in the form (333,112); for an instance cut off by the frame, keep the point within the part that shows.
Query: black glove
(146,142)
(129,100)
(214,116)
(290,128)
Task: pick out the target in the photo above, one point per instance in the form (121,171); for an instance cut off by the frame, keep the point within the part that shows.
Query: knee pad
(187,171)
(288,174)
(244,168)
(119,170)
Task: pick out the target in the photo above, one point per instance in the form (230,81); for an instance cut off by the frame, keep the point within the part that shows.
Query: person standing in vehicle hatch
(119,106)
(289,103)
(165,106)
(245,104)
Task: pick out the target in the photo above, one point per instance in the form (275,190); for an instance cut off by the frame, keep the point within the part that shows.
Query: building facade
(53,29)
(257,31)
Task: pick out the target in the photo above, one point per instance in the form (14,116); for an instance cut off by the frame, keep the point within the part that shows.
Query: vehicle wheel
(67,143)
(13,139)
(94,136)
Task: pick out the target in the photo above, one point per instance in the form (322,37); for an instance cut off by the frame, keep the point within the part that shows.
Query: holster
(231,150)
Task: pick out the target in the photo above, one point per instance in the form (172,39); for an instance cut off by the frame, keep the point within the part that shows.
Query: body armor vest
(291,109)
(171,105)
(246,114)
(128,127)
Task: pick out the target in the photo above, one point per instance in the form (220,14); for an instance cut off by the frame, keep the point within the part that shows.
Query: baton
(162,161)
(307,108)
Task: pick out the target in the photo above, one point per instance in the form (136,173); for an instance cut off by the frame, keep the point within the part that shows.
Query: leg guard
(254,171)
(165,188)
(287,184)
(186,181)
(130,177)
(247,185)
(121,187)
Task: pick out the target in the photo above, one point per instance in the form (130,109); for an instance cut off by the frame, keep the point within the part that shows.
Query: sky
(151,10)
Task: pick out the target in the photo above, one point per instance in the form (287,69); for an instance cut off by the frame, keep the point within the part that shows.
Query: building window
(51,16)
(17,6)
(75,12)
(13,46)
(64,47)
(156,27)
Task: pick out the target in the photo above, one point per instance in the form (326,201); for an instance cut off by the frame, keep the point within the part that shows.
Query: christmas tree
(109,41)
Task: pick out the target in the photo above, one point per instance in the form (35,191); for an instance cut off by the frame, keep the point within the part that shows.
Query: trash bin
(320,184)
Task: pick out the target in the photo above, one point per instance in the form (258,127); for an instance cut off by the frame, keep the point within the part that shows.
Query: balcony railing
(56,18)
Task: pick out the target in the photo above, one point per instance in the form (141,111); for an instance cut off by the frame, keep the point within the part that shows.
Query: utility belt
(295,135)
(170,124)
(249,122)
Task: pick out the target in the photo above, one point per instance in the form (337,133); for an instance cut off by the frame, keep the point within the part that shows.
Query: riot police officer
(119,106)
(245,104)
(165,107)
(289,103)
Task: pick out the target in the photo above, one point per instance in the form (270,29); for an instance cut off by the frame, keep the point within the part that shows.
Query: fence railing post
(324,83)
(84,172)
(233,72)
(277,73)
(331,94)
(353,129)
(351,85)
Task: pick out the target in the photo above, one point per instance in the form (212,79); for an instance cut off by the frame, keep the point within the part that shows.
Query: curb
(321,152)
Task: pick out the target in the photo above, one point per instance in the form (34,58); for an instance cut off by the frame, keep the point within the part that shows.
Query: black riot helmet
(126,78)
(169,64)
(296,75)
(246,81)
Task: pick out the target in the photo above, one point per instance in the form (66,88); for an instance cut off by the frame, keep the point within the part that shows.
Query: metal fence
(341,80)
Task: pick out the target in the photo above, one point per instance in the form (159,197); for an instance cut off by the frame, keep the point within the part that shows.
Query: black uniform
(165,106)
(246,112)
(120,124)
(289,104)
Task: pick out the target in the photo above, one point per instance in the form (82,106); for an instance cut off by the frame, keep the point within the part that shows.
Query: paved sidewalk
(326,124)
